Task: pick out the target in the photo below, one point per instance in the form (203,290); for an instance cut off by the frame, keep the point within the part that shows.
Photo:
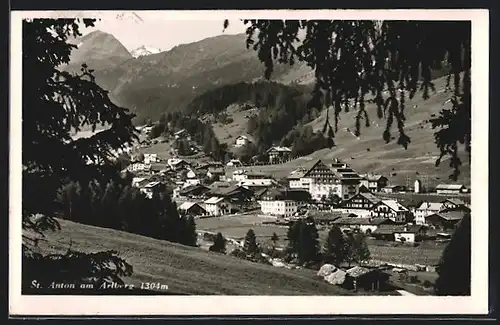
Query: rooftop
(358,271)
(449,187)
(394,205)
(187,205)
(214,200)
(279,149)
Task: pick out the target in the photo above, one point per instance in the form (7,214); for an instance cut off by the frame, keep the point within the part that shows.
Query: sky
(162,30)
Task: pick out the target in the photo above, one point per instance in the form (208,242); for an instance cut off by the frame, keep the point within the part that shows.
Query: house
(243,140)
(179,133)
(257,183)
(393,189)
(364,225)
(373,182)
(192,191)
(152,188)
(410,234)
(332,178)
(215,172)
(279,154)
(139,181)
(360,204)
(325,217)
(390,209)
(296,179)
(239,175)
(150,158)
(276,203)
(450,189)
(233,192)
(425,209)
(359,277)
(177,164)
(218,206)
(192,209)
(138,167)
(392,232)
(453,203)
(445,220)
(234,163)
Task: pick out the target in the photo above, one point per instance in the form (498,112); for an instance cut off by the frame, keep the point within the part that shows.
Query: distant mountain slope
(370,153)
(99,50)
(169,80)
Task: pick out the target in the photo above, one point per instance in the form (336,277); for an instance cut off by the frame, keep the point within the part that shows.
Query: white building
(150,158)
(296,180)
(276,203)
(450,189)
(426,209)
(234,163)
(218,206)
(417,187)
(192,181)
(282,208)
(139,167)
(239,175)
(334,178)
(242,141)
(151,188)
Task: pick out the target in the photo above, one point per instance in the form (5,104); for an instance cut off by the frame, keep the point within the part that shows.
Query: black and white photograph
(265,155)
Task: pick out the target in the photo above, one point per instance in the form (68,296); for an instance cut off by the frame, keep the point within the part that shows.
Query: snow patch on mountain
(144,50)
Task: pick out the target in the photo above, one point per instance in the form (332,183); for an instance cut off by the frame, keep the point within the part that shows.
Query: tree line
(304,246)
(119,205)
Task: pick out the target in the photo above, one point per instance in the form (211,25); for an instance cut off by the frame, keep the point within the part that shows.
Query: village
(226,198)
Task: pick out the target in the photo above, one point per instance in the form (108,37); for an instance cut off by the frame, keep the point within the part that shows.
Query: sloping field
(187,270)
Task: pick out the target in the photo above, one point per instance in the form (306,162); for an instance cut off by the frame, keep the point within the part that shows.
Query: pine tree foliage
(56,104)
(454,269)
(250,244)
(356,62)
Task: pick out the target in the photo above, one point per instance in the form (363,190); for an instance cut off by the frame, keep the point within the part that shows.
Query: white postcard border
(477,303)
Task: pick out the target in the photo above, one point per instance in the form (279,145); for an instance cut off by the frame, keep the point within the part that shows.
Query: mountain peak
(144,50)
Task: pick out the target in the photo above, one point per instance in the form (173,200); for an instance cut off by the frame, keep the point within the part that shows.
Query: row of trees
(118,205)
(304,246)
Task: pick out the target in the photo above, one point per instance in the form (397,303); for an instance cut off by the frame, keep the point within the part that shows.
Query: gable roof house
(360,204)
(370,279)
(192,209)
(453,203)
(392,232)
(446,220)
(279,154)
(391,209)
(450,188)
(242,140)
(425,209)
(332,178)
(373,182)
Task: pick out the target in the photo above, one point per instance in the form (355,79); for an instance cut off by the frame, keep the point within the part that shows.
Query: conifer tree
(219,244)
(250,244)
(334,248)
